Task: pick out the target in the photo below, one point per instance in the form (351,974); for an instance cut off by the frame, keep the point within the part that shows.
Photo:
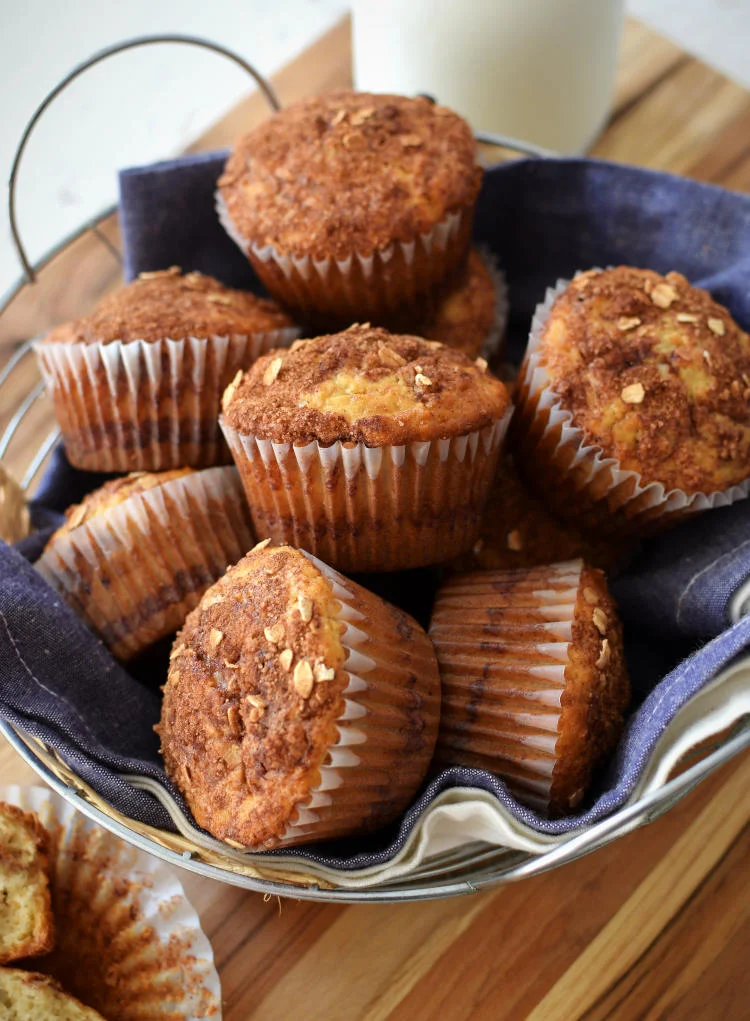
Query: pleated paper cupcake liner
(578,480)
(147,406)
(387,731)
(129,944)
(14,514)
(363,508)
(333,293)
(133,572)
(502,644)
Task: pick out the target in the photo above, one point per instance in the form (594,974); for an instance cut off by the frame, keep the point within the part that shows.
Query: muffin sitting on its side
(534,680)
(298,706)
(373,451)
(353,206)
(137,554)
(137,383)
(634,401)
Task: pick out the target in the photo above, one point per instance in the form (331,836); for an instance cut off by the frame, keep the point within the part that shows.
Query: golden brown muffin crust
(253,695)
(167,304)
(364,385)
(350,171)
(112,493)
(466,313)
(656,373)
(596,696)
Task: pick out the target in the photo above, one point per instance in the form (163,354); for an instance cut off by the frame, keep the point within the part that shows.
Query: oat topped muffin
(364,385)
(167,303)
(280,722)
(350,172)
(656,373)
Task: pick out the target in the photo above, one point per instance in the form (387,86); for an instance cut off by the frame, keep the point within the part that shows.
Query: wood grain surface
(657,925)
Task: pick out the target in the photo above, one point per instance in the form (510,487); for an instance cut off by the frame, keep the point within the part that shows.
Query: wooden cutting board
(657,925)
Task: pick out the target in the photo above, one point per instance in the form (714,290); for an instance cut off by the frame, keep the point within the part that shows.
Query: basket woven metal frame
(468,869)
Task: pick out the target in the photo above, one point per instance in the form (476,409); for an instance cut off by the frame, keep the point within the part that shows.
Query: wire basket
(28,435)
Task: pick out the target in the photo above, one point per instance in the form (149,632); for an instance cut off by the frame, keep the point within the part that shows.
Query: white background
(150,105)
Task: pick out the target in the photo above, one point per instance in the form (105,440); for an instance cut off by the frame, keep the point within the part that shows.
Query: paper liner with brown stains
(379,286)
(14,514)
(365,508)
(504,644)
(147,405)
(129,944)
(133,572)
(575,477)
(389,725)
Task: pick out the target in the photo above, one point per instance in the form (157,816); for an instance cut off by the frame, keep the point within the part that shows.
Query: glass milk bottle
(539,70)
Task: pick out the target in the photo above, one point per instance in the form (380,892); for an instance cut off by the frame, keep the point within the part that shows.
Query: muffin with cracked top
(634,401)
(299,706)
(351,205)
(372,450)
(137,383)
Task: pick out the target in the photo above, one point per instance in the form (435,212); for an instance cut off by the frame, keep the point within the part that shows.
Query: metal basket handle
(97,58)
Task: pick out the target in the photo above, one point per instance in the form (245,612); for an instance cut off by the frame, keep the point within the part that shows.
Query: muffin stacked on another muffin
(371,450)
(634,401)
(353,206)
(137,383)
(298,706)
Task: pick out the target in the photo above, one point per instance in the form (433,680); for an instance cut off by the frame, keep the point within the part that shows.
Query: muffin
(519,531)
(373,451)
(137,554)
(137,384)
(351,205)
(28,996)
(14,514)
(27,927)
(299,706)
(472,315)
(634,402)
(533,677)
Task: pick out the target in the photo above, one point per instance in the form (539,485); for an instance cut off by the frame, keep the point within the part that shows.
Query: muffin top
(255,688)
(656,373)
(364,385)
(466,313)
(350,171)
(168,304)
(111,494)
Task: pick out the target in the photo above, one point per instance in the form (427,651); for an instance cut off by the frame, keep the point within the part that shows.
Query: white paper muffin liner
(162,964)
(358,287)
(363,508)
(367,773)
(502,658)
(147,405)
(15,523)
(134,572)
(577,477)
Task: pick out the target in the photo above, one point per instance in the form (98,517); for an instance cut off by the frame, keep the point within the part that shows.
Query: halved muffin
(27,927)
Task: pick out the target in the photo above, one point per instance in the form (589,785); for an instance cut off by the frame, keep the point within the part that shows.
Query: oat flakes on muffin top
(656,373)
(350,171)
(168,304)
(364,385)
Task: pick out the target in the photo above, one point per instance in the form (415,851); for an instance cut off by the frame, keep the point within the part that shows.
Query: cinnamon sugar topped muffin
(351,205)
(364,386)
(350,171)
(282,724)
(656,373)
(167,303)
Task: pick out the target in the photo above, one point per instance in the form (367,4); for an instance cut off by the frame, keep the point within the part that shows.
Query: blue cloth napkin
(544,219)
